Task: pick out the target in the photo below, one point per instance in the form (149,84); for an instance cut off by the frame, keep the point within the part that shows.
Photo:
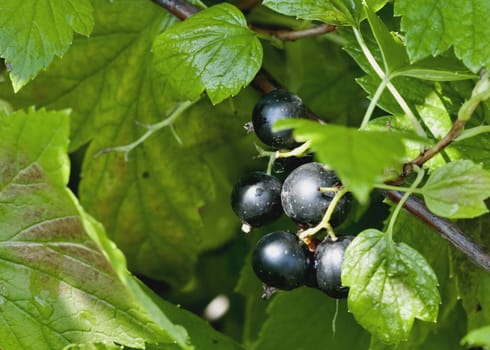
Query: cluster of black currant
(311,195)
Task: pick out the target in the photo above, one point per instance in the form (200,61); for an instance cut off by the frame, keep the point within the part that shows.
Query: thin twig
(292,35)
(439,146)
(247,5)
(150,130)
(179,8)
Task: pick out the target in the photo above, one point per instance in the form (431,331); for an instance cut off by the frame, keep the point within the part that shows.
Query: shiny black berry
(273,106)
(302,200)
(328,259)
(280,260)
(256,199)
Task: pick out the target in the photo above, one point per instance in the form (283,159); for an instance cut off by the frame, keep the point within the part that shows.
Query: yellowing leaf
(57,285)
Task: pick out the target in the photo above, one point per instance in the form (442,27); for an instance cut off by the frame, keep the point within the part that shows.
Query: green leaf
(390,285)
(150,205)
(212,51)
(58,287)
(451,325)
(461,24)
(392,49)
(401,124)
(112,73)
(458,190)
(477,337)
(339,12)
(305,319)
(32,32)
(348,150)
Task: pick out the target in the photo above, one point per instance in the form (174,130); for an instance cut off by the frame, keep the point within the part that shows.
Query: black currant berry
(256,199)
(273,106)
(302,200)
(280,260)
(328,259)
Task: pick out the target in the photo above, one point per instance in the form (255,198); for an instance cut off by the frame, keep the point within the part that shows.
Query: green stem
(396,212)
(481,92)
(270,163)
(381,74)
(477,130)
(296,152)
(399,188)
(325,223)
(270,154)
(273,155)
(373,103)
(274,40)
(150,130)
(328,189)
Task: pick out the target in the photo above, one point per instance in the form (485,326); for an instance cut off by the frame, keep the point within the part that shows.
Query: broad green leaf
(392,49)
(461,24)
(102,77)
(477,337)
(339,12)
(451,324)
(396,61)
(305,319)
(348,150)
(390,285)
(150,205)
(458,190)
(213,51)
(33,32)
(58,287)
